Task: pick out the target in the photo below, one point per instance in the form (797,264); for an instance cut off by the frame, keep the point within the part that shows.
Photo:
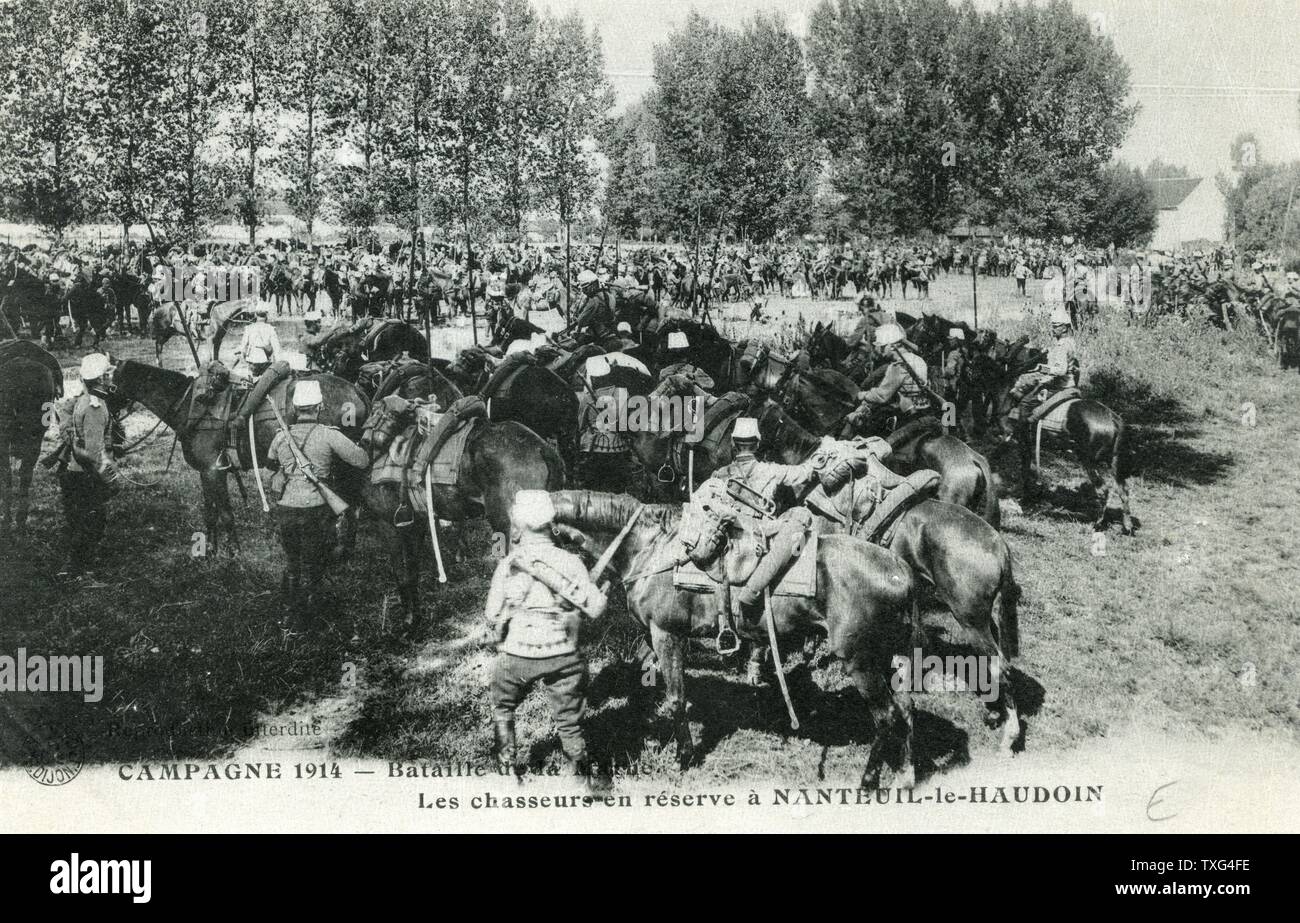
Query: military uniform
(596,316)
(1061,370)
(305,521)
(539,596)
(902,384)
(85,482)
(260,335)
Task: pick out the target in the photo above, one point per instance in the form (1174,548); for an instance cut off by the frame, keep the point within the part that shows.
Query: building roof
(1170,192)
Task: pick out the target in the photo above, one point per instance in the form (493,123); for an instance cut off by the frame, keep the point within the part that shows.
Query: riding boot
(507,750)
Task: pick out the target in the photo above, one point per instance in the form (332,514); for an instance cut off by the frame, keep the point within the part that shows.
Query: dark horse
(862,606)
(520,389)
(951,549)
(29,298)
(1097,435)
(500,459)
(29,385)
(343,351)
(170,396)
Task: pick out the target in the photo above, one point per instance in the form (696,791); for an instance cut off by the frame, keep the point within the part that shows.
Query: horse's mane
(595,510)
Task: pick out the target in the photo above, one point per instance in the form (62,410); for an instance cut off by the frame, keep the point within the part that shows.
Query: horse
(533,395)
(29,386)
(88,309)
(171,397)
(499,460)
(709,350)
(862,605)
(34,300)
(820,399)
(343,350)
(951,548)
(1097,435)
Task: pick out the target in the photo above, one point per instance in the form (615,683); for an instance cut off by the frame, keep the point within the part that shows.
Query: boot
(506,748)
(594,777)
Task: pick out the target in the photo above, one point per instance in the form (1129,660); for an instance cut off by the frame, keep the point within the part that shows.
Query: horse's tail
(992,510)
(1008,607)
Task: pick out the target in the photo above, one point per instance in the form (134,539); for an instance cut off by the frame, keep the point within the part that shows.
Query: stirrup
(403,516)
(728,641)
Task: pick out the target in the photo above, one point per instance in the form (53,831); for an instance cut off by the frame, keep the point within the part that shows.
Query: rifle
(558,585)
(338,506)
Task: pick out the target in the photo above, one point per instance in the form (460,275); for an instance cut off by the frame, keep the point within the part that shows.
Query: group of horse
(867,602)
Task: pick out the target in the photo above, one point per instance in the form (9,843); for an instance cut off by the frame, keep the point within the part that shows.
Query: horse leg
(1102,490)
(671,652)
(6,490)
(407,565)
(891,712)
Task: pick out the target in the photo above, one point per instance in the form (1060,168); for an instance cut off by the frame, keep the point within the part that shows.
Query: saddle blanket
(1050,415)
(800,579)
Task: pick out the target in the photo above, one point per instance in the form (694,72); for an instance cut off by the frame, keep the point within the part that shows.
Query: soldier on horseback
(539,595)
(596,317)
(1061,370)
(748,489)
(904,384)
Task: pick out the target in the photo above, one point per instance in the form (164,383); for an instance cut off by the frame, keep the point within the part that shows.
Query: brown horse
(1097,435)
(28,388)
(862,606)
(500,458)
(820,399)
(170,396)
(954,551)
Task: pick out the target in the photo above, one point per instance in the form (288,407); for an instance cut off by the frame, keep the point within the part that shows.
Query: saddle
(1050,414)
(428,440)
(777,554)
(718,417)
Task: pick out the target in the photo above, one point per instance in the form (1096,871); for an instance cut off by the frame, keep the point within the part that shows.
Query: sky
(1247,50)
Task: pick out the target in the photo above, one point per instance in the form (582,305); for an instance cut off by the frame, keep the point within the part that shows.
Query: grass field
(1189,628)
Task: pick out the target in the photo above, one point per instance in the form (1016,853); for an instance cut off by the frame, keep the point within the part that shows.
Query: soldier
(679,364)
(260,335)
(596,317)
(539,596)
(954,369)
(904,384)
(764,480)
(304,518)
(86,482)
(1061,370)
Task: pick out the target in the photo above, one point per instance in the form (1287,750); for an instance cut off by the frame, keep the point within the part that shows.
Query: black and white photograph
(787,416)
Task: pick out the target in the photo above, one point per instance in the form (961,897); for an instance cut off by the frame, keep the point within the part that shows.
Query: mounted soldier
(538,598)
(596,318)
(903,386)
(1061,370)
(89,477)
(748,490)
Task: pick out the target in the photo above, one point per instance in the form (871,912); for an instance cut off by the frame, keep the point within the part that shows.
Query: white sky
(1202,43)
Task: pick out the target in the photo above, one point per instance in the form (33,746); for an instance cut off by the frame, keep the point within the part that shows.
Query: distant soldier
(260,335)
(539,596)
(87,482)
(305,520)
(1061,370)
